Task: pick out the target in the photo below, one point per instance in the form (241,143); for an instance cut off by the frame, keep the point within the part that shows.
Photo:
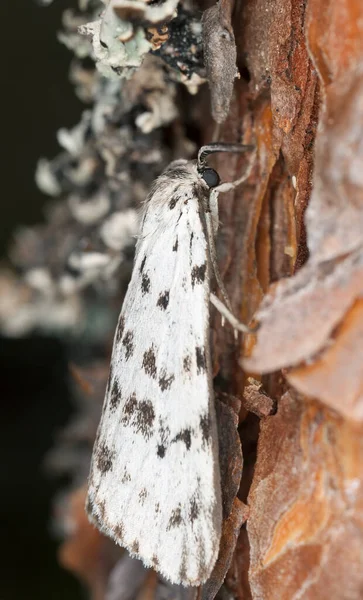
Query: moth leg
(213,258)
(228,186)
(211,217)
(224,309)
(212,226)
(229,316)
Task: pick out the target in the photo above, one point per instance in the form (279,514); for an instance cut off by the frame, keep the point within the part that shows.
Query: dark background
(36,99)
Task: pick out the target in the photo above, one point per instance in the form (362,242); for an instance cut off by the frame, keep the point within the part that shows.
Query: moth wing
(154,484)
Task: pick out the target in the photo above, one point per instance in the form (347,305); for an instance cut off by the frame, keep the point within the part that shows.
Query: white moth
(154,485)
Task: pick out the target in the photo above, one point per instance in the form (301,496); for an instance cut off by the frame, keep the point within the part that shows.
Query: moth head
(211,177)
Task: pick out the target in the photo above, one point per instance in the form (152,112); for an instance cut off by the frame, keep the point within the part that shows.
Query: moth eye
(211,177)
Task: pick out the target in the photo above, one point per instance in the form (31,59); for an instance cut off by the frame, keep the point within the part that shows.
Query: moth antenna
(205,151)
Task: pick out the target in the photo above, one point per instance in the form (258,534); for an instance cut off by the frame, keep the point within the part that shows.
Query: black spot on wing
(198,274)
(175,518)
(164,432)
(104,458)
(205,427)
(184,436)
(139,415)
(115,396)
(135,547)
(143,495)
(165,381)
(173,202)
(145,284)
(126,477)
(129,409)
(120,328)
(128,343)
(163,300)
(175,247)
(149,362)
(201,359)
(161,451)
(191,240)
(155,560)
(193,510)
(164,439)
(142,264)
(187,364)
(145,417)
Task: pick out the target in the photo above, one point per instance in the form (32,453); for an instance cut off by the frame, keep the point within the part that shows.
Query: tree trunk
(290,251)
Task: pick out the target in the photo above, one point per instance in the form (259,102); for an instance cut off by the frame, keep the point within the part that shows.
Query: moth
(154,484)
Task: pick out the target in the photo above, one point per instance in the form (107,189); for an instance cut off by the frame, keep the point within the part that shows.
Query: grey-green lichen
(119,45)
